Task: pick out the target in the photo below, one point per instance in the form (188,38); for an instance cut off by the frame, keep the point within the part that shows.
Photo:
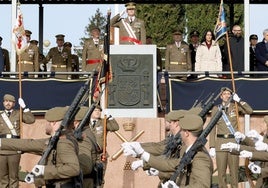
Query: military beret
(67,44)
(177,32)
(191,122)
(130,5)
(56,114)
(253,36)
(81,113)
(1,38)
(175,115)
(8,97)
(266,119)
(226,89)
(194,33)
(34,42)
(28,32)
(60,37)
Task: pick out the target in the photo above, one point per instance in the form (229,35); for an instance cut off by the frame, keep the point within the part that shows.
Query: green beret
(226,89)
(191,122)
(8,97)
(175,115)
(56,114)
(266,119)
(81,113)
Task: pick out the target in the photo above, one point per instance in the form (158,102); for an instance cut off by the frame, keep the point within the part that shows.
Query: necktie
(60,49)
(130,20)
(8,113)
(93,123)
(1,60)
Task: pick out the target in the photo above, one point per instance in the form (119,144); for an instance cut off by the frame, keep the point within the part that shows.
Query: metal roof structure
(137,1)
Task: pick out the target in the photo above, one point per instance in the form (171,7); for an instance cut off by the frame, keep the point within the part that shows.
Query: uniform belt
(93,61)
(8,136)
(225,136)
(177,63)
(59,66)
(26,62)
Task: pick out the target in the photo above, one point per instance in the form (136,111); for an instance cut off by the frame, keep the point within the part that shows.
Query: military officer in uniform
(131,29)
(61,58)
(178,56)
(253,40)
(75,60)
(92,52)
(29,58)
(10,128)
(194,38)
(4,59)
(96,126)
(220,134)
(62,163)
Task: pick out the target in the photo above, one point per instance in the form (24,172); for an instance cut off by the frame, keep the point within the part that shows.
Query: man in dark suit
(4,59)
(262,54)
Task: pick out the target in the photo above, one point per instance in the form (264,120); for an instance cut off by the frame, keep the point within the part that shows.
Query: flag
(19,32)
(105,72)
(221,26)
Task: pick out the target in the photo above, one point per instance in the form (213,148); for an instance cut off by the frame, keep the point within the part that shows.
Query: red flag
(19,32)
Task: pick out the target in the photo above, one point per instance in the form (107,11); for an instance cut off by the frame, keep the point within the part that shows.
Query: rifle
(81,95)
(199,143)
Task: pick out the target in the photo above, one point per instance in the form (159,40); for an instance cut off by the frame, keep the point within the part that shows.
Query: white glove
(21,103)
(261,146)
(245,154)
(255,169)
(152,172)
(29,178)
(169,184)
(106,113)
(212,152)
(236,98)
(239,136)
(136,164)
(230,146)
(38,170)
(42,66)
(255,135)
(129,152)
(137,147)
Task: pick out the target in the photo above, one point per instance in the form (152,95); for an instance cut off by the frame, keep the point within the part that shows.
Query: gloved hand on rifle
(230,146)
(152,172)
(169,184)
(136,164)
(253,134)
(212,152)
(255,169)
(239,136)
(106,113)
(245,154)
(38,170)
(261,146)
(29,178)
(236,98)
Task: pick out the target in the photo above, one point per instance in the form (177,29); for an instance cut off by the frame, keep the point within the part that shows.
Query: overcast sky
(71,20)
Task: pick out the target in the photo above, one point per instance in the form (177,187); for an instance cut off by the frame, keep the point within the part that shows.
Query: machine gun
(199,143)
(80,97)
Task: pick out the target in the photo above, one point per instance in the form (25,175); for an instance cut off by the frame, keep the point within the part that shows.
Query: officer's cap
(98,107)
(175,115)
(68,44)
(28,32)
(191,122)
(194,33)
(81,113)
(226,89)
(60,37)
(130,5)
(56,113)
(8,97)
(253,36)
(177,32)
(1,39)
(266,119)
(34,42)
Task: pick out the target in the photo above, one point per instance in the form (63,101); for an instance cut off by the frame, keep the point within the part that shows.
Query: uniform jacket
(30,54)
(154,148)
(261,56)
(27,117)
(75,65)
(67,164)
(221,128)
(91,52)
(208,59)
(6,60)
(178,59)
(137,26)
(252,59)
